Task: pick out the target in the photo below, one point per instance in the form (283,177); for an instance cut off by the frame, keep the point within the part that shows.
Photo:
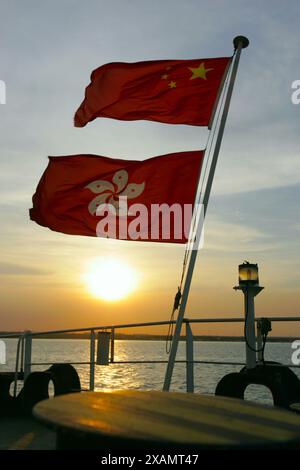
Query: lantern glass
(248,274)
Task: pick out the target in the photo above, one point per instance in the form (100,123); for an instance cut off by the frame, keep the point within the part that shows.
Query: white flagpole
(240,42)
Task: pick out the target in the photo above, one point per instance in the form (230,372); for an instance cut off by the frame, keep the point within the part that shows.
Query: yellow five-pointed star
(172,84)
(199,72)
(164,76)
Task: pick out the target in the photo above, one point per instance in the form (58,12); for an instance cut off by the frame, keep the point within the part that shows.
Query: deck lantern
(249,285)
(248,274)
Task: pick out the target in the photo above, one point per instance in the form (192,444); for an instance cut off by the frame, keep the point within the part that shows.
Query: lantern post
(249,285)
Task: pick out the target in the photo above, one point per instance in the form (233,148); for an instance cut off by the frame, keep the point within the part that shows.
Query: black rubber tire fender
(35,389)
(232,385)
(64,378)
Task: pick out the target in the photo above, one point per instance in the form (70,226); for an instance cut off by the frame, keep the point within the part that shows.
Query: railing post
(22,353)
(259,342)
(27,353)
(112,345)
(189,341)
(92,360)
(17,365)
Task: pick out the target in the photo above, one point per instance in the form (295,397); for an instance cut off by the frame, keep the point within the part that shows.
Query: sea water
(149,376)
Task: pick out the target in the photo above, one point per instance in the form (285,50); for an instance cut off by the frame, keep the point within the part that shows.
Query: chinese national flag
(73,188)
(169,91)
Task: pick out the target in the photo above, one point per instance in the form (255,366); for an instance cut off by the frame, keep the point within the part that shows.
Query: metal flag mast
(239,42)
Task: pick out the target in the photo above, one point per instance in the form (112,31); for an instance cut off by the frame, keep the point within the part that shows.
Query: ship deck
(21,433)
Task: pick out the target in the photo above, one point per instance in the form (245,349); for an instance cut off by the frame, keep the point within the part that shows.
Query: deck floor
(20,433)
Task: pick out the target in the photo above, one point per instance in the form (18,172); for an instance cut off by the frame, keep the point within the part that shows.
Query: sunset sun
(110,279)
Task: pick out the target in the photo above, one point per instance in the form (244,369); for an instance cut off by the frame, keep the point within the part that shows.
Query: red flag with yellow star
(169,91)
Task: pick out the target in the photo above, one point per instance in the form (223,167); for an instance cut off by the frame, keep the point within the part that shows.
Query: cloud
(9,269)
(229,237)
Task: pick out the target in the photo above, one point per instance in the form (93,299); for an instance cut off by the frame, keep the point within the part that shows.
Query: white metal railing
(24,363)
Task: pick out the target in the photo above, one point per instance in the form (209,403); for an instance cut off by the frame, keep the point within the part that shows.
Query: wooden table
(158,420)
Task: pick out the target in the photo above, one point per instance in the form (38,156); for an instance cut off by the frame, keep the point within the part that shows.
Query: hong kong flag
(169,91)
(149,200)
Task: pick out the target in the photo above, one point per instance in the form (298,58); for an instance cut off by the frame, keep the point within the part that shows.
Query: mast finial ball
(241,39)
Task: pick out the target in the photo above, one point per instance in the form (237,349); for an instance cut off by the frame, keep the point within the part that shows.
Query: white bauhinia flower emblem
(109,193)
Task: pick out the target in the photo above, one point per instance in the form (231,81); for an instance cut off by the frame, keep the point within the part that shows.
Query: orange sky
(59,298)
